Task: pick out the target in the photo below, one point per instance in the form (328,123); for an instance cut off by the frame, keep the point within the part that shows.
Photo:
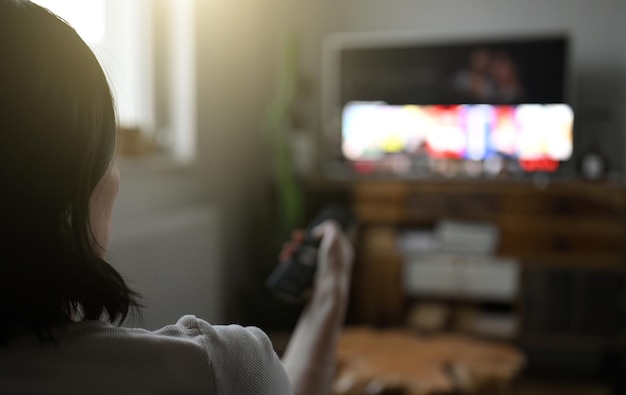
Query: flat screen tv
(401,104)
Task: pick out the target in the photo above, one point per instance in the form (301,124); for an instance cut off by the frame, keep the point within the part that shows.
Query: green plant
(279,124)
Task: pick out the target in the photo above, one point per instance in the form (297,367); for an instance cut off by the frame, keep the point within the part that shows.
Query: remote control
(291,279)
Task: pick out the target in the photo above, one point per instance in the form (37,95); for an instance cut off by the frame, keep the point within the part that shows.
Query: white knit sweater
(190,357)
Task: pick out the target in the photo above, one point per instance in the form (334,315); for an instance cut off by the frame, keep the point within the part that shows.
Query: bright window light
(121,34)
(88,17)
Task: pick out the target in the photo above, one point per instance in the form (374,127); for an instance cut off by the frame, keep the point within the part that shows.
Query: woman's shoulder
(229,358)
(245,338)
(220,341)
(243,358)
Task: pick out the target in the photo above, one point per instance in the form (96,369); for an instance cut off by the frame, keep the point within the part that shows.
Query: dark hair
(58,132)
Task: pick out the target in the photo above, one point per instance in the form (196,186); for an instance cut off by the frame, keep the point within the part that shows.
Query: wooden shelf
(568,225)
(565,222)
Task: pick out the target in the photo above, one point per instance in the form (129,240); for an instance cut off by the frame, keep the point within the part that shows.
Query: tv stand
(569,237)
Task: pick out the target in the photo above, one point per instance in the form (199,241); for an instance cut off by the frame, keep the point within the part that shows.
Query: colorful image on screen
(537,136)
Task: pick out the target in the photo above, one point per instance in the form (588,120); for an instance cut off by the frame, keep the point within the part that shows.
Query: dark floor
(548,387)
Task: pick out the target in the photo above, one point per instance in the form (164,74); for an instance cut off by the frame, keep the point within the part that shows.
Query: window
(86,16)
(147,48)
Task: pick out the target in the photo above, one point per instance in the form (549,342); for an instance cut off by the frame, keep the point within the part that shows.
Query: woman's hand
(335,254)
(310,356)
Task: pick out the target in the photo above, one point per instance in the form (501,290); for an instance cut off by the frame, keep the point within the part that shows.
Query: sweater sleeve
(243,360)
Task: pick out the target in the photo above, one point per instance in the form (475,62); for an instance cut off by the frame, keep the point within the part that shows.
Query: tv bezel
(334,164)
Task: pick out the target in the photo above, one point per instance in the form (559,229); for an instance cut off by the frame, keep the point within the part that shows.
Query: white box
(462,276)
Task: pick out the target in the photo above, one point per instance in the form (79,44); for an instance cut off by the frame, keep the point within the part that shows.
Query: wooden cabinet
(569,238)
(567,223)
(563,229)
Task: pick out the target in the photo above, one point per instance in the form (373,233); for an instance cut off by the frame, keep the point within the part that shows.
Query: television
(400,104)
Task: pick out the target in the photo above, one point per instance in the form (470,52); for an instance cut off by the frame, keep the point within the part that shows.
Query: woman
(59,297)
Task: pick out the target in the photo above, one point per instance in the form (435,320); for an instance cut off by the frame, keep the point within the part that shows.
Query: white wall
(237,54)
(174,260)
(237,65)
(596,28)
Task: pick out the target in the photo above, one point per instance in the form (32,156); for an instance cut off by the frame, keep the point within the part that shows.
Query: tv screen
(415,102)
(536,136)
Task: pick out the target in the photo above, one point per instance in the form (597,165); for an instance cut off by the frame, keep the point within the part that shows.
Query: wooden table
(399,362)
